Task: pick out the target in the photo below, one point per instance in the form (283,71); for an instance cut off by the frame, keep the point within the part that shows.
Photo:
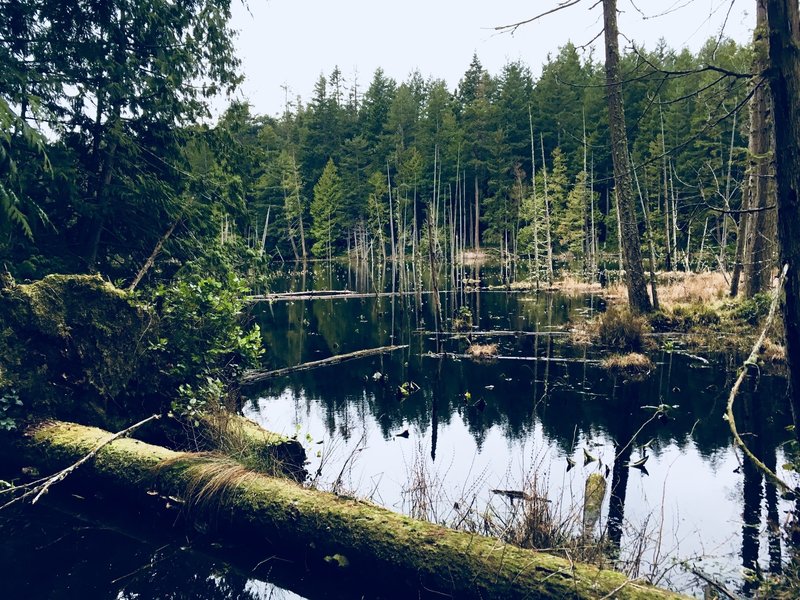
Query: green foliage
(327,198)
(10,405)
(202,347)
(752,310)
(462,321)
(690,315)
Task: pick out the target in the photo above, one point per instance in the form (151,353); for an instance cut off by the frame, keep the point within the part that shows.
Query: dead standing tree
(629,228)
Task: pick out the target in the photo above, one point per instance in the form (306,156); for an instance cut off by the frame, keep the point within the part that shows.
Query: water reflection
(542,400)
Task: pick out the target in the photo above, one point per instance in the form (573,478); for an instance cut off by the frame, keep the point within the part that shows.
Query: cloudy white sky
(288,43)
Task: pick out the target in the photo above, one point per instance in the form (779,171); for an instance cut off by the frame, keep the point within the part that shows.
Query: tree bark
(318,528)
(761,232)
(784,78)
(634,271)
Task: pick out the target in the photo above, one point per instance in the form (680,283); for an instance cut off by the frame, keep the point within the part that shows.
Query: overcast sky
(289,43)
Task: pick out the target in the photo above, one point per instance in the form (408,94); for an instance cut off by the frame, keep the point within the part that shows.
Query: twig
(751,360)
(38,491)
(712,582)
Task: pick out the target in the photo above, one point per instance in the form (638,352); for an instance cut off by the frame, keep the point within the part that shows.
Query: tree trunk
(761,232)
(784,72)
(317,528)
(477,236)
(634,272)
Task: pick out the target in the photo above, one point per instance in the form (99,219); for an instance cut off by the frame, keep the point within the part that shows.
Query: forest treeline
(105,157)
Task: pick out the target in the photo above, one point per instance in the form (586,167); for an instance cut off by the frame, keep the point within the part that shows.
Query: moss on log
(252,445)
(71,343)
(593,494)
(314,525)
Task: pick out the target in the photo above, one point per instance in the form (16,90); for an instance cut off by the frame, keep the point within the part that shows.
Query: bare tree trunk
(634,272)
(547,226)
(783,26)
(667,225)
(477,238)
(152,258)
(762,230)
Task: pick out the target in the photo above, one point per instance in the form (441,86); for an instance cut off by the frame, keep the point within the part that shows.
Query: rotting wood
(256,376)
(233,435)
(310,525)
(40,487)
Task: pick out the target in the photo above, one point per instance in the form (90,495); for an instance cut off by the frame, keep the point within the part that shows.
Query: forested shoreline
(504,160)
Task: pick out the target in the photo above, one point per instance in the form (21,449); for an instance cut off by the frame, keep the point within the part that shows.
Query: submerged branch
(254,376)
(751,361)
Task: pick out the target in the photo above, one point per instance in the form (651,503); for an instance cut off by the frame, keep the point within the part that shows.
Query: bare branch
(512,27)
(751,362)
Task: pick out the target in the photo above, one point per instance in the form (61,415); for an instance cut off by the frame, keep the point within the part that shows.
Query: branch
(731,211)
(39,490)
(512,27)
(751,360)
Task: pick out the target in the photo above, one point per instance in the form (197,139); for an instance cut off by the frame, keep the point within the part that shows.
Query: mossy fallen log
(253,445)
(353,535)
(232,435)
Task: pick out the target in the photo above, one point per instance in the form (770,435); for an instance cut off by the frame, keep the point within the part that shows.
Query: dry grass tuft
(773,352)
(691,288)
(213,478)
(482,351)
(632,366)
(620,329)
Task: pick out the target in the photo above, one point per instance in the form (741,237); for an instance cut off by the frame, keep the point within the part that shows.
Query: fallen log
(255,376)
(340,534)
(327,295)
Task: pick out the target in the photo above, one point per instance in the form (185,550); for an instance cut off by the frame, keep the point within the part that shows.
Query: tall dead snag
(760,233)
(634,271)
(783,31)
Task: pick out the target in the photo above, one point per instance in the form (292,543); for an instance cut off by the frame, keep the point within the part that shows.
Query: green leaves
(203,346)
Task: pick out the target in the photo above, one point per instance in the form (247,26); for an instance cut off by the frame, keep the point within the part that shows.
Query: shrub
(202,347)
(462,321)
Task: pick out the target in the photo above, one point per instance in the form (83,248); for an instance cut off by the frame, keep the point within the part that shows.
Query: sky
(285,45)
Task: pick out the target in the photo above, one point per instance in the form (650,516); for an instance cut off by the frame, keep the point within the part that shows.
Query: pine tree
(327,201)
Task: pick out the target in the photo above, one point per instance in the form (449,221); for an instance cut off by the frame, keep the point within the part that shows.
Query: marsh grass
(213,479)
(632,366)
(619,329)
(482,351)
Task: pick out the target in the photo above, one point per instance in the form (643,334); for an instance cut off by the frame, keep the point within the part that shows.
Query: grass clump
(622,330)
(632,366)
(482,351)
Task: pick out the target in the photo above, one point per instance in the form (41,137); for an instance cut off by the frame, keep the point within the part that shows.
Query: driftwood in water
(255,376)
(326,295)
(313,526)
(585,361)
(593,495)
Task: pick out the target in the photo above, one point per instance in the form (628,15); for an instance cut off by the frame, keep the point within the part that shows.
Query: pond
(516,423)
(536,420)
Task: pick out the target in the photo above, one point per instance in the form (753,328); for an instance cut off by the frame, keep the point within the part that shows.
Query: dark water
(477,426)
